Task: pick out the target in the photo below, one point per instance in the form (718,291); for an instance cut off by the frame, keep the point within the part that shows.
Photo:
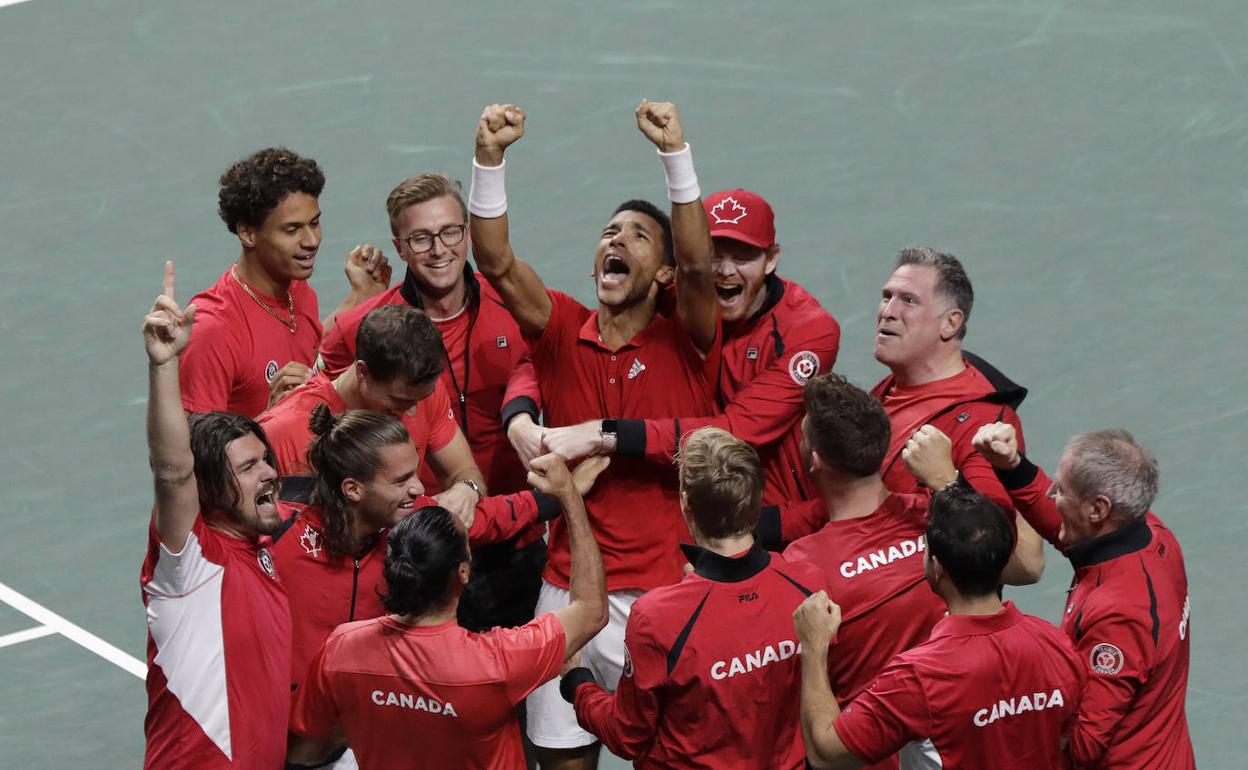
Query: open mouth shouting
(729,293)
(266,498)
(614,272)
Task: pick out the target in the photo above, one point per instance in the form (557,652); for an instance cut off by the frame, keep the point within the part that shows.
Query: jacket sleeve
(975,470)
(1117,651)
(1028,487)
(523,395)
(501,517)
(338,347)
(627,719)
(765,410)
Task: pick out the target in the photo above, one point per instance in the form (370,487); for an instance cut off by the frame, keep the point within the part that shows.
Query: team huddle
(467,521)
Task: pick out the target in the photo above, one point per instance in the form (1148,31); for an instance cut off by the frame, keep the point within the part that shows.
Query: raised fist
(817,620)
(660,122)
(929,456)
(500,126)
(998,444)
(368,270)
(549,474)
(167,328)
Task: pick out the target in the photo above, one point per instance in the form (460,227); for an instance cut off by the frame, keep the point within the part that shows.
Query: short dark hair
(425,550)
(952,282)
(400,341)
(655,213)
(347,446)
(722,479)
(211,433)
(971,538)
(847,426)
(255,185)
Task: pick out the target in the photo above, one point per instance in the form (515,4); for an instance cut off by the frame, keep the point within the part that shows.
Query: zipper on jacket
(355,585)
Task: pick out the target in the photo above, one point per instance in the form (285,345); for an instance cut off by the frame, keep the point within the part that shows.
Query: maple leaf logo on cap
(728,212)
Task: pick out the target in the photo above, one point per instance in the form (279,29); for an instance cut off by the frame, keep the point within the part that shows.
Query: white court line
(17,637)
(72,632)
(10,2)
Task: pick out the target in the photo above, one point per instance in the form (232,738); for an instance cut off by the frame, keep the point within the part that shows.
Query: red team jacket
(994,691)
(237,348)
(766,362)
(633,508)
(712,670)
(1128,613)
(958,406)
(483,347)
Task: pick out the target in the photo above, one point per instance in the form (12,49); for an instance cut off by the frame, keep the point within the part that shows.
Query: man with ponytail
(413,689)
(218,644)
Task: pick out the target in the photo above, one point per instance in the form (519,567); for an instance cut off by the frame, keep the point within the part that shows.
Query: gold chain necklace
(292,324)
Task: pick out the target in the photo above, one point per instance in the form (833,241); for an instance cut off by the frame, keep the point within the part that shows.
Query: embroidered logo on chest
(500,342)
(751,354)
(963,417)
(270,371)
(311,541)
(637,368)
(266,562)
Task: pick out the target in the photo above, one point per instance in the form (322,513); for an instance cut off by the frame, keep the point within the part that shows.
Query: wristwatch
(475,487)
(610,437)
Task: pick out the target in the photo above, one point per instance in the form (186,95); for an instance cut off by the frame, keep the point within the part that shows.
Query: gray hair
(951,280)
(1113,464)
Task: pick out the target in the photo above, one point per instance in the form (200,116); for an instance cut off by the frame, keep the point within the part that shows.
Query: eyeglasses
(422,240)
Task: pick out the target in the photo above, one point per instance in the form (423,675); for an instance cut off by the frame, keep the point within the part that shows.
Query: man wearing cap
(777,337)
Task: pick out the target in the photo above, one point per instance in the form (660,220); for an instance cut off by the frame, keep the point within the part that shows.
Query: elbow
(171,474)
(600,614)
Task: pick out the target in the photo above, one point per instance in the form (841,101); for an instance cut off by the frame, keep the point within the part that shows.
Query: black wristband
(572,680)
(1019,476)
(518,406)
(548,507)
(630,437)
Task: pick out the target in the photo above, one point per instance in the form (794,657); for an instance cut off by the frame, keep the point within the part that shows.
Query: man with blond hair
(429,223)
(711,664)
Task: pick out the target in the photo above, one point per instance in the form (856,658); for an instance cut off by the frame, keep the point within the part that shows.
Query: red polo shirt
(989,691)
(634,507)
(236,347)
(218,653)
(431,426)
(1128,613)
(767,361)
(428,696)
(712,669)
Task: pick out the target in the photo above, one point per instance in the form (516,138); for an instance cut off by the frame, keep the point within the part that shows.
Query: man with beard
(219,634)
(258,328)
(622,360)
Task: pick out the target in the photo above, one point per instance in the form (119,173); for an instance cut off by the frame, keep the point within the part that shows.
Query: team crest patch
(270,371)
(500,342)
(802,366)
(628,665)
(963,417)
(751,354)
(728,212)
(311,541)
(1106,659)
(266,562)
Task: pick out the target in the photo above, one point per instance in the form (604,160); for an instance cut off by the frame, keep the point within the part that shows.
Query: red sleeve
(522,394)
(1116,652)
(530,655)
(766,409)
(314,714)
(440,418)
(971,464)
(626,721)
(501,517)
(338,347)
(289,438)
(887,715)
(1029,491)
(207,366)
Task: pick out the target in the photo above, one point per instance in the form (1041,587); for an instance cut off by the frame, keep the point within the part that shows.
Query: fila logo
(964,417)
(501,342)
(728,212)
(637,368)
(743,598)
(311,541)
(270,371)
(751,354)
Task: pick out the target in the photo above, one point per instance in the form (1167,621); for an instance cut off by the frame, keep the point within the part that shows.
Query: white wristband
(487,197)
(682,180)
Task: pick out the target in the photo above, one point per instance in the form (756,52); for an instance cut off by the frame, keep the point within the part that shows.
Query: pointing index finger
(168,287)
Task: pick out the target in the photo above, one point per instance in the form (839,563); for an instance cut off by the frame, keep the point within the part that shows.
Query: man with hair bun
(258,329)
(991,688)
(218,623)
(1128,610)
(412,689)
(711,663)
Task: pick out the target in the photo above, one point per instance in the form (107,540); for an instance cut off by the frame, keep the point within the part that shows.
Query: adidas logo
(637,368)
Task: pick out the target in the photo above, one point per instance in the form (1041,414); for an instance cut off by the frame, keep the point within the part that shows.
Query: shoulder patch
(802,366)
(1106,659)
(270,371)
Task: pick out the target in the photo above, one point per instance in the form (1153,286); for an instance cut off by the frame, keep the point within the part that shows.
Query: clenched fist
(998,444)
(500,126)
(817,620)
(929,456)
(660,122)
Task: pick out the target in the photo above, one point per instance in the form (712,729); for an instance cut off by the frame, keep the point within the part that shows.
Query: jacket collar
(726,569)
(773,286)
(1120,542)
(976,625)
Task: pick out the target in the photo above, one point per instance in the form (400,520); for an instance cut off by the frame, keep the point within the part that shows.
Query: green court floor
(1084,159)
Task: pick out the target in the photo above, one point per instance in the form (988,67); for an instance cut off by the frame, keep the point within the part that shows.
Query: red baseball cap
(742,216)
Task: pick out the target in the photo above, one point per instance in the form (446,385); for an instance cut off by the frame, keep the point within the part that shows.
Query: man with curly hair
(259,327)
